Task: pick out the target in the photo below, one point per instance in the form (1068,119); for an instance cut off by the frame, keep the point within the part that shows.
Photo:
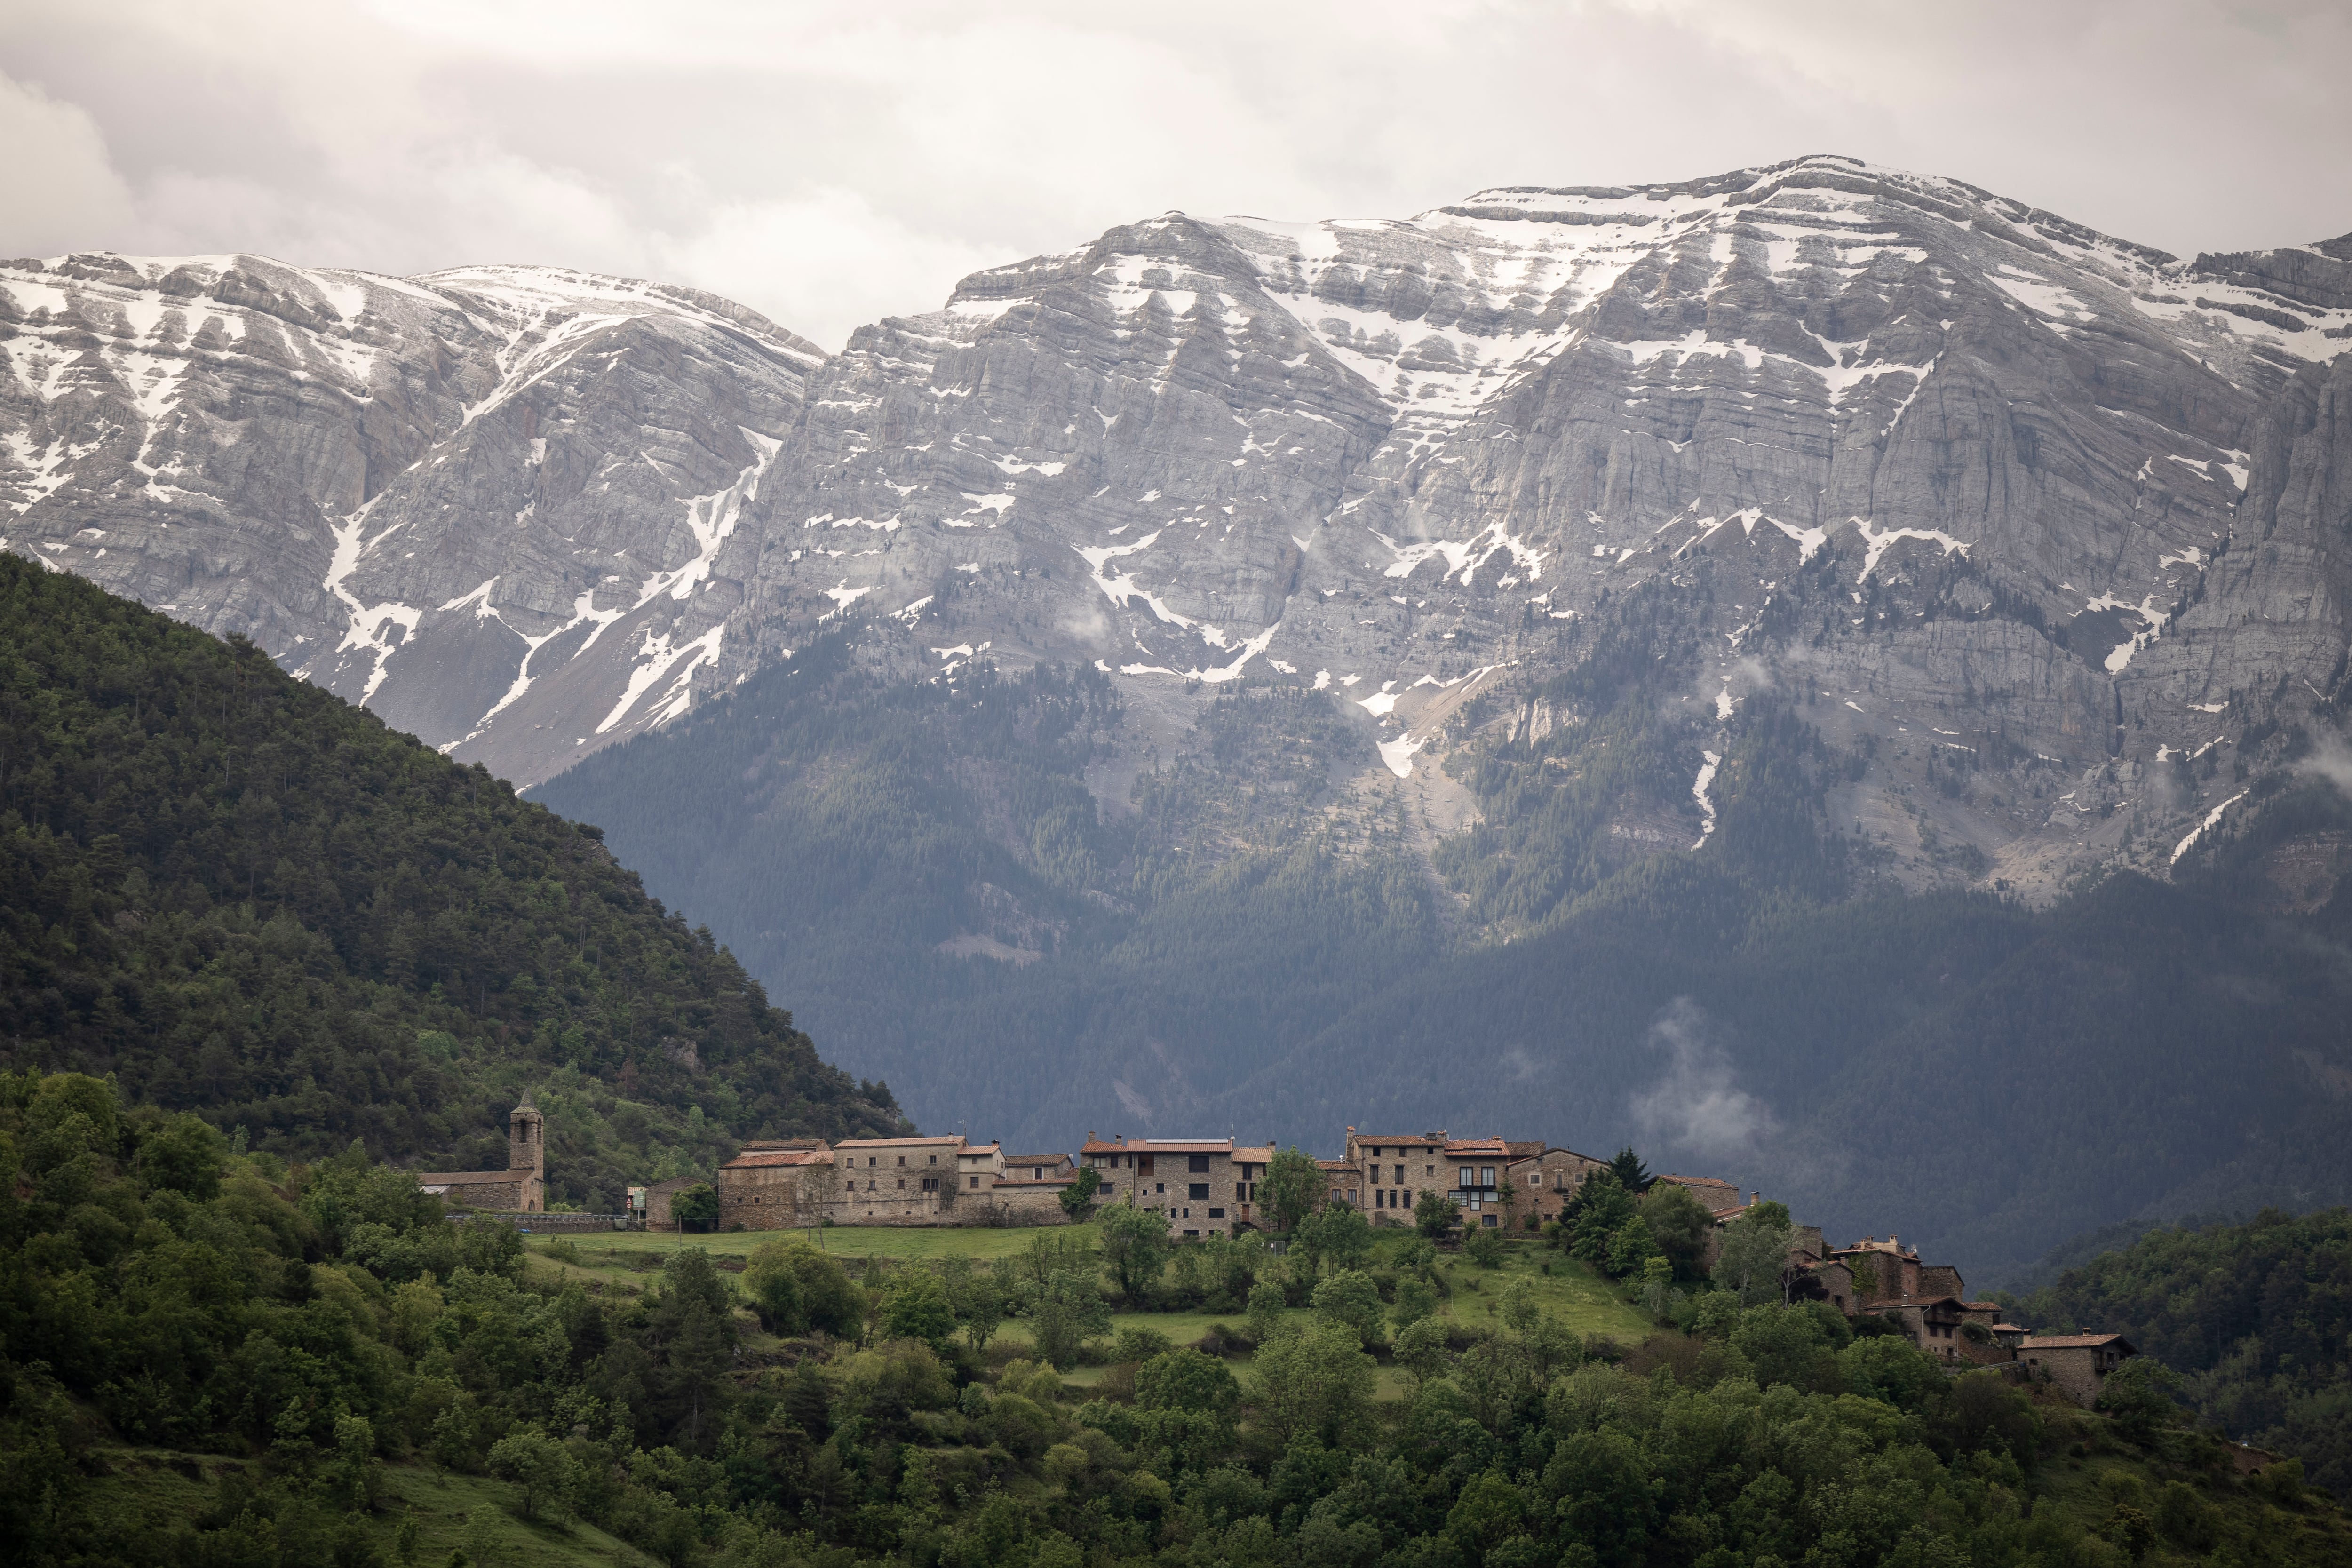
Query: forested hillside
(210,1358)
(242,895)
(2257,1317)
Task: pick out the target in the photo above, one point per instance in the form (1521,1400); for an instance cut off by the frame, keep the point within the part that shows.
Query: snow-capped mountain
(484,501)
(1963,477)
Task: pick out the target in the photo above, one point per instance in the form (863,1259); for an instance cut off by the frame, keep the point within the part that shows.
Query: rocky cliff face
(1992,495)
(483,503)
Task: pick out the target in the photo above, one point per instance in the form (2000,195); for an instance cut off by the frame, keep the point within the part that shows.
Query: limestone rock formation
(1974,482)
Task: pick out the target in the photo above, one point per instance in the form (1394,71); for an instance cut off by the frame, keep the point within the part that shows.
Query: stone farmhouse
(1207,1186)
(940,1181)
(521,1188)
(1930,1303)
(1386,1174)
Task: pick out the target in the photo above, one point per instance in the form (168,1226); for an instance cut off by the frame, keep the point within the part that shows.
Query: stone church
(521,1188)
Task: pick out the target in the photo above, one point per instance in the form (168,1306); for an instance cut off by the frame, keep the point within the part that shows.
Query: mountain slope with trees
(2256,1318)
(242,895)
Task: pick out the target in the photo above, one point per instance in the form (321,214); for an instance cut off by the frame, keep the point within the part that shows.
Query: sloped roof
(896,1142)
(2075,1342)
(1161,1146)
(758,1158)
(1480,1146)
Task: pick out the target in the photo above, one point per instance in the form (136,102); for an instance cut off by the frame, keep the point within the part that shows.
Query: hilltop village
(1211,1187)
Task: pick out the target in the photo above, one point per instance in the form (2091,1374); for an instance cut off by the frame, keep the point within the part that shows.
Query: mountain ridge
(1530,376)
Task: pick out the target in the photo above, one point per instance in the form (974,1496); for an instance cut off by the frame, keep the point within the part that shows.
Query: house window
(1192,1233)
(934,1159)
(872,1160)
(1488,1220)
(1198,1164)
(1159,1187)
(902,1161)
(1216,1213)
(1486,1177)
(975,1182)
(1199,1190)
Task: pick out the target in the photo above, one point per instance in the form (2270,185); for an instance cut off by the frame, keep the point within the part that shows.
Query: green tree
(794,1289)
(1420,1349)
(916,1307)
(1316,1383)
(1079,1195)
(1294,1187)
(1489,1510)
(1630,1174)
(2141,1395)
(691,1324)
(537,1466)
(1185,1380)
(1680,1225)
(1350,1297)
(1335,1236)
(695,1207)
(1266,1306)
(1484,1247)
(982,1306)
(1755,1255)
(1592,1218)
(1135,1244)
(1416,1299)
(1433,1215)
(1068,1309)
(1630,1248)
(187,1155)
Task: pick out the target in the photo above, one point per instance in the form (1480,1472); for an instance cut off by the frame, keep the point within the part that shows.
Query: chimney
(1090,1134)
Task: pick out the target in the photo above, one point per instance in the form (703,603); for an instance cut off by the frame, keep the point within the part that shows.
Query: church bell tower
(526,1152)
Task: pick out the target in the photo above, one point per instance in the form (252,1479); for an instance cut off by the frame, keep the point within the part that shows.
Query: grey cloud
(1697,1107)
(830,163)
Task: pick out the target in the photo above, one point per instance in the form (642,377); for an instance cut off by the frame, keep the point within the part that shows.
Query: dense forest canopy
(241,896)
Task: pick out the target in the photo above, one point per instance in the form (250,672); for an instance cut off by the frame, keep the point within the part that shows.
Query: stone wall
(539,1221)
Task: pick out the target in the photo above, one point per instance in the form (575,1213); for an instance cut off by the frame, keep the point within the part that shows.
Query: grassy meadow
(626,1263)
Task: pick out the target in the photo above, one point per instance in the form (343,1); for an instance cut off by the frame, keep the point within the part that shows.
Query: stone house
(2078,1364)
(896,1181)
(775,1186)
(1476,1166)
(1342,1183)
(1545,1180)
(1206,1187)
(654,1207)
(1039,1168)
(521,1188)
(978,1165)
(1718,1197)
(1394,1170)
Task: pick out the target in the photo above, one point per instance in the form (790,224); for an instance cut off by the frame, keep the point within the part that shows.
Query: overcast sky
(830,163)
